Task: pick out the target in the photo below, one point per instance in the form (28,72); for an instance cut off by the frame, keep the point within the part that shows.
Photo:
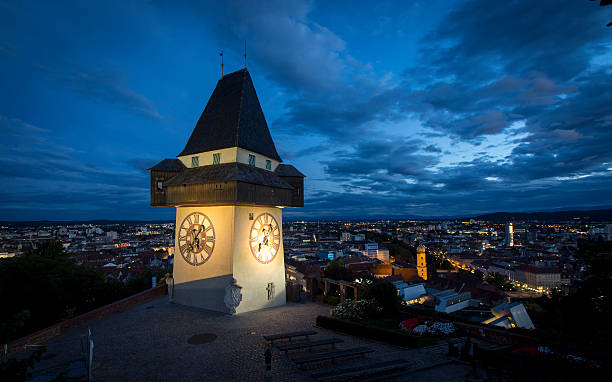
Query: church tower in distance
(229,187)
(421,262)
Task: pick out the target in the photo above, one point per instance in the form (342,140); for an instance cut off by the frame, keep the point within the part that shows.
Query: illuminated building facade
(421,262)
(509,234)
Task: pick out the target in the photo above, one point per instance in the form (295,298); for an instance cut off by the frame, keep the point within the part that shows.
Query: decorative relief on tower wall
(270,289)
(233,296)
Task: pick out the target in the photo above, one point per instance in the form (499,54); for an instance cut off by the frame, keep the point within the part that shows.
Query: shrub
(356,310)
(331,300)
(394,337)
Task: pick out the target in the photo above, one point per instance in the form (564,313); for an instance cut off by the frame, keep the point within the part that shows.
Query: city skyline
(426,110)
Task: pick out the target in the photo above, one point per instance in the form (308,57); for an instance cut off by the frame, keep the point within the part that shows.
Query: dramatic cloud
(105,86)
(437,108)
(487,68)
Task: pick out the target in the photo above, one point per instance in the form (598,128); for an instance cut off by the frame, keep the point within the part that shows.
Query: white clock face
(265,238)
(196,238)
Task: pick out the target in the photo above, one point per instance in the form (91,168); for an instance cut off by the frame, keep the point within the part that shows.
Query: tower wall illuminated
(421,262)
(229,186)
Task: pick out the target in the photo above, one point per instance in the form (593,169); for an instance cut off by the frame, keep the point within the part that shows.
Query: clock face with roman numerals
(196,238)
(265,238)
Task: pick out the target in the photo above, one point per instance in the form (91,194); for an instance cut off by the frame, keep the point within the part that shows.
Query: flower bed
(411,323)
(434,328)
(420,326)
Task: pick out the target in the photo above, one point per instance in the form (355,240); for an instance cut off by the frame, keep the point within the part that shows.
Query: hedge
(393,337)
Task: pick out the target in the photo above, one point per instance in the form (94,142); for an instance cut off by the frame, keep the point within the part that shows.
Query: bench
(403,373)
(331,355)
(289,336)
(361,371)
(309,344)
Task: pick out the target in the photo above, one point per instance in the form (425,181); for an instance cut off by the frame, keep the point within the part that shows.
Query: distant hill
(594,216)
(601,215)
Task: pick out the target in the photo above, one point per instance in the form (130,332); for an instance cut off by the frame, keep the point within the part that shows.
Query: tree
(500,282)
(580,321)
(401,251)
(50,287)
(50,249)
(385,295)
(336,270)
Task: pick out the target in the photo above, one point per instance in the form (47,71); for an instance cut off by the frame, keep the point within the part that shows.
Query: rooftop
(232,118)
(173,165)
(228,172)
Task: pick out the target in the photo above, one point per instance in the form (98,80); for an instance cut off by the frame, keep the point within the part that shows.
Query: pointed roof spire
(232,118)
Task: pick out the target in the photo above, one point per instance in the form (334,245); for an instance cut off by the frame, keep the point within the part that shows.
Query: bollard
(268,358)
(89,356)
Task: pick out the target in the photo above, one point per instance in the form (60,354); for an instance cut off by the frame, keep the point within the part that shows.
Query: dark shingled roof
(168,165)
(288,170)
(227,172)
(232,118)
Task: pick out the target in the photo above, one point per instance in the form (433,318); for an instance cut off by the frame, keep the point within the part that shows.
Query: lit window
(251,159)
(195,161)
(216,158)
(160,185)
(268,164)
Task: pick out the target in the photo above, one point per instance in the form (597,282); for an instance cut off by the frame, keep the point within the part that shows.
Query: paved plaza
(149,342)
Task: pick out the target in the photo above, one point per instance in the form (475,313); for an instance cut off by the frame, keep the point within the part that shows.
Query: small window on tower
(160,185)
(251,159)
(195,161)
(268,164)
(216,158)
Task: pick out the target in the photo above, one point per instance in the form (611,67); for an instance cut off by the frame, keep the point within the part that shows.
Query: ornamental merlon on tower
(230,157)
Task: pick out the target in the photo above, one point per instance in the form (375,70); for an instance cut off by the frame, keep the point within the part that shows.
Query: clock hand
(197,235)
(196,239)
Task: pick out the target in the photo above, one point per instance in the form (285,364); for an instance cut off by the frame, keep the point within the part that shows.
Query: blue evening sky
(430,108)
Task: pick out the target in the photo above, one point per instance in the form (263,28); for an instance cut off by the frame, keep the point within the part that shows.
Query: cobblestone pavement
(148,342)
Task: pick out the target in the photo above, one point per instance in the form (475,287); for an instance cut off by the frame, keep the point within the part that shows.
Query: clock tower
(229,187)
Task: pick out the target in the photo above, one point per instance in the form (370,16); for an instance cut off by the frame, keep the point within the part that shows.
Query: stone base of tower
(231,280)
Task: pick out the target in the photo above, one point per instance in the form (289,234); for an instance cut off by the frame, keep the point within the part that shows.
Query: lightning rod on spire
(245,55)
